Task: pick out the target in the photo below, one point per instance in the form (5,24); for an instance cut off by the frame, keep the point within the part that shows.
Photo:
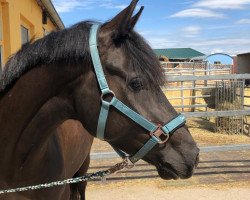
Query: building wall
(17,13)
(243,63)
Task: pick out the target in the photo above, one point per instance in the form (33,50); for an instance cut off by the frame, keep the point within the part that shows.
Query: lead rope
(101,174)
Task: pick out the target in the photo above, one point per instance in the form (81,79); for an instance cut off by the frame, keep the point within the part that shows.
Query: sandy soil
(131,193)
(147,191)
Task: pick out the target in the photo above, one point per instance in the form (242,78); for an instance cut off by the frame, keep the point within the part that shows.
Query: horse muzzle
(179,169)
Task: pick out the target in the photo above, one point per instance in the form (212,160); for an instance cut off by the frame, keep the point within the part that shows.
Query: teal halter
(156,131)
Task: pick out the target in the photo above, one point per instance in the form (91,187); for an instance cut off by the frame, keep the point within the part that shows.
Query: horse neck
(37,100)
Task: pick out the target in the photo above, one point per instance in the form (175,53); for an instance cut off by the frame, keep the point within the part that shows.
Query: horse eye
(136,84)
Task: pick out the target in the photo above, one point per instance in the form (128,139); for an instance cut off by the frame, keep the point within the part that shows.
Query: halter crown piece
(156,131)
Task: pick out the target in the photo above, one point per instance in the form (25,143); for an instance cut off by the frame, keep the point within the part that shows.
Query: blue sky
(209,26)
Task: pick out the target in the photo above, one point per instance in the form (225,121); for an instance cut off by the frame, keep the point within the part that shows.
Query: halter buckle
(159,133)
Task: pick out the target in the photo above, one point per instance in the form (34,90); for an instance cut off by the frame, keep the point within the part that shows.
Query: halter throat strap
(159,134)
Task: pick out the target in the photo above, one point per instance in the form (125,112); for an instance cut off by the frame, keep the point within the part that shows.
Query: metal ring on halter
(110,92)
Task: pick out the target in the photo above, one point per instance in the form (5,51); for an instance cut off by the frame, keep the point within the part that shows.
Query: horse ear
(135,18)
(121,23)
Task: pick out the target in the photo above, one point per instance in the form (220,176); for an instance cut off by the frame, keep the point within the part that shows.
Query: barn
(178,54)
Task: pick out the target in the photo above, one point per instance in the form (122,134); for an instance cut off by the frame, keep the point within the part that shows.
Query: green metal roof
(178,53)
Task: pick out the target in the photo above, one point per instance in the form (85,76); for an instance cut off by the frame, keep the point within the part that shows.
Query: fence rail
(195,68)
(230,113)
(207,78)
(190,90)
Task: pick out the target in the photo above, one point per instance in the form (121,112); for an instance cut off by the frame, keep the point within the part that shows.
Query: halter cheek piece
(158,133)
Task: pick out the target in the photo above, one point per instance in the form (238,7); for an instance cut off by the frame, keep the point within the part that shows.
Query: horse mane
(71,45)
(67,45)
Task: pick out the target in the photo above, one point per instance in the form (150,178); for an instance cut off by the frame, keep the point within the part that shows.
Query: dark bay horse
(50,103)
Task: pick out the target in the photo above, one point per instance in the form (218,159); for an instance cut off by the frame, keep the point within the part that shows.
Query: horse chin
(167,172)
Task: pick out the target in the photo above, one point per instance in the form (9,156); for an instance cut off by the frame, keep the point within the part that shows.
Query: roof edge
(54,16)
(243,54)
(160,49)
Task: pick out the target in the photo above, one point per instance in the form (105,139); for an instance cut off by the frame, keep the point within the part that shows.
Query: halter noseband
(157,132)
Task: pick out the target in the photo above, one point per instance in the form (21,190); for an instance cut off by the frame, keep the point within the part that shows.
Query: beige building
(25,20)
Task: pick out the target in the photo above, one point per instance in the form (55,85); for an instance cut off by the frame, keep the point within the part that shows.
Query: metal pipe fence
(191,89)
(188,80)
(195,68)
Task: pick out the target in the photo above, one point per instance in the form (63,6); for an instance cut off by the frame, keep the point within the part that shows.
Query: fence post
(193,93)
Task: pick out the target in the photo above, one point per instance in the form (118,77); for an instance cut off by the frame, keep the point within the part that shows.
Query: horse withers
(50,105)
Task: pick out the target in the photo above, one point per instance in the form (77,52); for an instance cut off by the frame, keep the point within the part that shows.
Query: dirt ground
(132,193)
(155,191)
(204,134)
(220,176)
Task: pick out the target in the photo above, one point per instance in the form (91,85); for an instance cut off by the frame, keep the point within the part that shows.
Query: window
(24,35)
(1,28)
(1,60)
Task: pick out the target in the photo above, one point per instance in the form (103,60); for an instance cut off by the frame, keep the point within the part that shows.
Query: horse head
(135,75)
